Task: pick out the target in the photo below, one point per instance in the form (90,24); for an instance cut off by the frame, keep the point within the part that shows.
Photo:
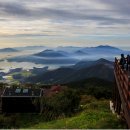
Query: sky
(64,22)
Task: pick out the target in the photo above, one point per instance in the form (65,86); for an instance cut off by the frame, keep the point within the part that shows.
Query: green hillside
(94,115)
(83,105)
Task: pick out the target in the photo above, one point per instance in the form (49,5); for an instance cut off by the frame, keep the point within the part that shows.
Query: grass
(26,73)
(94,115)
(23,73)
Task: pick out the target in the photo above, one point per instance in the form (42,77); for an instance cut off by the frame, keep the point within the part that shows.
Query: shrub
(64,103)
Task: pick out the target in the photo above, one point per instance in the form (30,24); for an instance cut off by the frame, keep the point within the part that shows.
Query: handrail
(123,85)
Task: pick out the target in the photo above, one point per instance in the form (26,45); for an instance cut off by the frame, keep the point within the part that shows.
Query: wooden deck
(121,93)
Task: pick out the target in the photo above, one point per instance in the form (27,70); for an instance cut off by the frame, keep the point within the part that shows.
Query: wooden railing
(1,90)
(122,92)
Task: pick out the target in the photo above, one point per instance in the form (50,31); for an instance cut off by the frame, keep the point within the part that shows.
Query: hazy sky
(64,22)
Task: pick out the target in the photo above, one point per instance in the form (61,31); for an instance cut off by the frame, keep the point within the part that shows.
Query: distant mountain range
(100,69)
(80,52)
(92,50)
(51,53)
(72,63)
(70,55)
(8,50)
(44,60)
(69,49)
(103,50)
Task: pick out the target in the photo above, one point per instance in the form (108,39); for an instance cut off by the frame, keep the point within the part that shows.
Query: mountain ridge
(103,70)
(8,50)
(50,53)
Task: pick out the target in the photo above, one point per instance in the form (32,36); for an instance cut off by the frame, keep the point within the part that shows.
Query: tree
(62,103)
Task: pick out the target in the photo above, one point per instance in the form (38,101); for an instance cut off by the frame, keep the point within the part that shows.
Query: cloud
(24,11)
(68,18)
(14,9)
(28,35)
(118,6)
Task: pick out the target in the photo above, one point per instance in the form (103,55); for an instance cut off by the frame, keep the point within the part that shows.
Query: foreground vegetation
(93,114)
(83,105)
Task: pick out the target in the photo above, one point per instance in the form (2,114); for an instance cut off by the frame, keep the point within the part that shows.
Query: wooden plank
(124,103)
(129,105)
(126,86)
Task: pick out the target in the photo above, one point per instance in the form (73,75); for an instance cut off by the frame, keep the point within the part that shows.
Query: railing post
(115,88)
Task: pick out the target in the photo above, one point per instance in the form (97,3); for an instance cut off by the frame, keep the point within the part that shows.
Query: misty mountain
(100,69)
(91,50)
(6,50)
(44,60)
(71,55)
(84,64)
(107,47)
(80,53)
(92,53)
(51,53)
(70,49)
(46,57)
(109,50)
